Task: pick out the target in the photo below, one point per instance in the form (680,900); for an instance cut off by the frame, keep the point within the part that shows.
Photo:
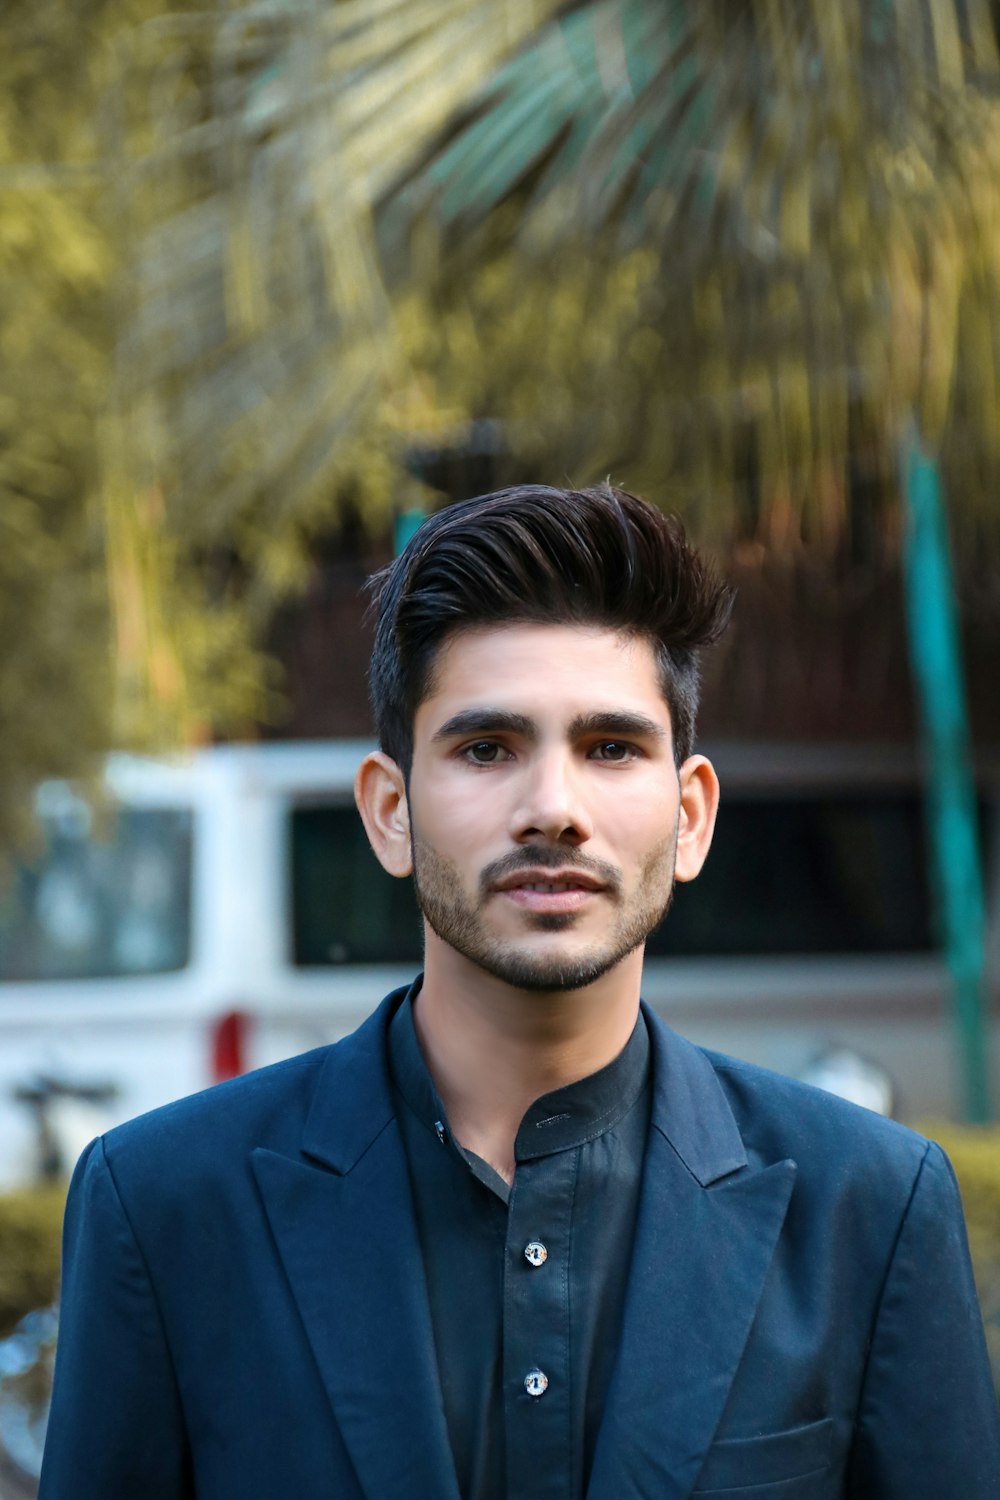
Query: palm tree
(803,202)
(726,249)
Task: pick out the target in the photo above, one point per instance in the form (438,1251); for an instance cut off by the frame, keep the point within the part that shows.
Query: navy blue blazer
(245,1317)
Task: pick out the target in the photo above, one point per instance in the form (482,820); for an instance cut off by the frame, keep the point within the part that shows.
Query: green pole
(408,523)
(935,652)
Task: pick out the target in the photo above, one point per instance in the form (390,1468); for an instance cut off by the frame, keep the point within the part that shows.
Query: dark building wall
(323,642)
(805,659)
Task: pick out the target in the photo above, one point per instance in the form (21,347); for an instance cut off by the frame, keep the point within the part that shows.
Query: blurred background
(276,280)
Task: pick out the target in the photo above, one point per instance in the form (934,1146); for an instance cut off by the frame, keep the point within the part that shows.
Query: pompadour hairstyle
(537,555)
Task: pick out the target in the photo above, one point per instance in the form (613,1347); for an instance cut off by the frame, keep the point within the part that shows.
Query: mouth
(550,892)
(548,880)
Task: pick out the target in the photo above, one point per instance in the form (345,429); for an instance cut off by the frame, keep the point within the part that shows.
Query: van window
(98,901)
(345,908)
(807,875)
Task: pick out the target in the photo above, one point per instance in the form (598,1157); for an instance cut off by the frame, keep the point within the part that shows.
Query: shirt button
(535,1253)
(536,1382)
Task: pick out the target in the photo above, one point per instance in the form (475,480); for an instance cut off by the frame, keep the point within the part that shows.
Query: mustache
(544,857)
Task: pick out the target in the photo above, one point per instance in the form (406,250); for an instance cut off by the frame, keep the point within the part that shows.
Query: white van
(223,910)
(152,946)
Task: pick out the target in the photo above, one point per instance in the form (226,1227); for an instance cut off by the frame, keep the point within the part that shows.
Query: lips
(549,892)
(548,881)
(548,885)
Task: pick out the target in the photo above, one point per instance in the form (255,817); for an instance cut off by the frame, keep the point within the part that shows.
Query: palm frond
(247,146)
(819,188)
(721,249)
(263,139)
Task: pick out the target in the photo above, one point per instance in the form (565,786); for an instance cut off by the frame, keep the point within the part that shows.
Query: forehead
(545,670)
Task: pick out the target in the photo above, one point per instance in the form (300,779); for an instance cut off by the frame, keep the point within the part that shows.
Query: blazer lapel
(344,1226)
(707,1227)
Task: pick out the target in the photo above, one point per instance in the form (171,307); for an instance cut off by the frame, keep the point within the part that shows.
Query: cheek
(638,817)
(455,816)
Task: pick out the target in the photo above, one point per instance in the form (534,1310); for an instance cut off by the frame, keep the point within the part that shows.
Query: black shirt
(526,1284)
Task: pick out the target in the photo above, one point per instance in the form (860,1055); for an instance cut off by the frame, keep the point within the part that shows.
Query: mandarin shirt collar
(557,1121)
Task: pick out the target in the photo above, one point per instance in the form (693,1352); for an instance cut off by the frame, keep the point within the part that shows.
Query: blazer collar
(352,1103)
(690,1108)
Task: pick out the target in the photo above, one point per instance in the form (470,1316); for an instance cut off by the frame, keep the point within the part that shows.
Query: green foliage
(725,253)
(248,253)
(30,1236)
(54,268)
(195,341)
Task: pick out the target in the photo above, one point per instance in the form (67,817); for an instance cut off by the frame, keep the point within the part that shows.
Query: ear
(696,823)
(380,793)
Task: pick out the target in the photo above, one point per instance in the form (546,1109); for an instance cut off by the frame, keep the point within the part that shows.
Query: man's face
(544,802)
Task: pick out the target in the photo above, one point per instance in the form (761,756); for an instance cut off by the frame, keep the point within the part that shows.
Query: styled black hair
(537,555)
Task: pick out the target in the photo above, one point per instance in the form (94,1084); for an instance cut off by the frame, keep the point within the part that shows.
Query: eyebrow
(485,720)
(618,724)
(614,723)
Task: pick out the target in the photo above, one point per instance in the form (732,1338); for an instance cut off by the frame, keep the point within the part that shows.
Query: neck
(492,1050)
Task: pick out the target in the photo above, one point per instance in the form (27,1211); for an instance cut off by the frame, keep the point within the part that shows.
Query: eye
(614,752)
(484,753)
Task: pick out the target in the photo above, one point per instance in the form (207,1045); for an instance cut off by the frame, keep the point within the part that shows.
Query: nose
(551,806)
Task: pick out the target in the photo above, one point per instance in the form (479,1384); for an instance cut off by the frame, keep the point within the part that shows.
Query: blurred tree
(260,384)
(198,346)
(720,250)
(55,667)
(728,250)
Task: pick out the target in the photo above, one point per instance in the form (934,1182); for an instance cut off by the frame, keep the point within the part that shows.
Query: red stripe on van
(229,1046)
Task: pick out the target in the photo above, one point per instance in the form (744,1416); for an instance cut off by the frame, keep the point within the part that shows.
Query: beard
(459,920)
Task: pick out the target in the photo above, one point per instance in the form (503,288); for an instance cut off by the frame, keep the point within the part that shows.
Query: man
(515,1238)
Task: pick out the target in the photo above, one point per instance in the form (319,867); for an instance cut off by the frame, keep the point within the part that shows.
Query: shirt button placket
(536,1335)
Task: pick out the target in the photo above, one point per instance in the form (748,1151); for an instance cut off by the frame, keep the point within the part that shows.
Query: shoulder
(854,1172)
(846,1156)
(775,1118)
(777,1112)
(201,1138)
(259,1103)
